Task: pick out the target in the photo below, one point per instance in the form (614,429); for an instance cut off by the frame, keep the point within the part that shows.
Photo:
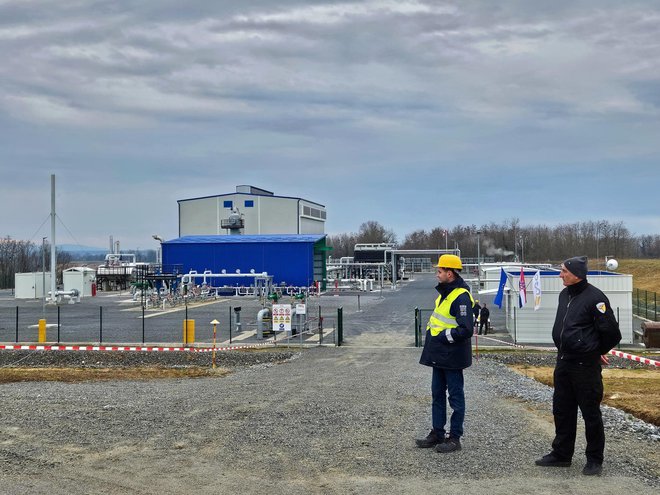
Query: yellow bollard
(188,332)
(42,331)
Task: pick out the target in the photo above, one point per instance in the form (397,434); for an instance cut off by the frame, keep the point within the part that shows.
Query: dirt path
(331,421)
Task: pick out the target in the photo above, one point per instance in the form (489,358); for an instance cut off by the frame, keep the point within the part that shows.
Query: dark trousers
(578,385)
(483,324)
(451,381)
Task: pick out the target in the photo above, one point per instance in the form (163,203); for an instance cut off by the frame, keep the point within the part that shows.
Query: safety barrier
(126,348)
(613,352)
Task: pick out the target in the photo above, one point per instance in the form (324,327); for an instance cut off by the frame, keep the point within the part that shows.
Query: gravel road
(326,420)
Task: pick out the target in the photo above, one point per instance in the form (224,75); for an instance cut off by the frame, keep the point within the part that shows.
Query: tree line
(18,256)
(510,240)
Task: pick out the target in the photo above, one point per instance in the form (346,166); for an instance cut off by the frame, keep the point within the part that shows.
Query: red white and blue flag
(523,289)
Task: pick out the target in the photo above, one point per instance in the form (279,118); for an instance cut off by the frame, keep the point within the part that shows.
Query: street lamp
(43,276)
(522,249)
(159,252)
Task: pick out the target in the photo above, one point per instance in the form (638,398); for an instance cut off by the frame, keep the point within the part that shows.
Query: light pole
(446,236)
(522,249)
(479,257)
(159,252)
(43,276)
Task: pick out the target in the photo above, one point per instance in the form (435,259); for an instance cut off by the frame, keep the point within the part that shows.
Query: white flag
(522,300)
(536,287)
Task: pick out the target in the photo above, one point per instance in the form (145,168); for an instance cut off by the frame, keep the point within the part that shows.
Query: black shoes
(552,460)
(592,469)
(431,440)
(452,444)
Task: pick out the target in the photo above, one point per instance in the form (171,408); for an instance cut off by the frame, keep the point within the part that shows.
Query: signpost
(282,318)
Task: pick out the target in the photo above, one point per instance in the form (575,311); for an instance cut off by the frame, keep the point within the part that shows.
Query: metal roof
(245,239)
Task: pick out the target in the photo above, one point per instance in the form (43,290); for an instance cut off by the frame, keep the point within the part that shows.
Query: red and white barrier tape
(632,357)
(124,348)
(613,352)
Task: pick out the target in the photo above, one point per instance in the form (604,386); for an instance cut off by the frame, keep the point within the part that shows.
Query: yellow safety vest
(441,320)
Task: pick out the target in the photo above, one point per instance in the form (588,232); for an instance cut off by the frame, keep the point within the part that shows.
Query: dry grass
(71,375)
(646,273)
(634,391)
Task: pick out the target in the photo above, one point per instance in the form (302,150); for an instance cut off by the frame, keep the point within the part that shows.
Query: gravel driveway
(328,420)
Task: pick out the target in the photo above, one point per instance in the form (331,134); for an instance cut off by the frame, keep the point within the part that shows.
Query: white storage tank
(80,278)
(31,285)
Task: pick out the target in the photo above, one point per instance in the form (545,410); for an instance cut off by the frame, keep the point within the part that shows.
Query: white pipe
(185,278)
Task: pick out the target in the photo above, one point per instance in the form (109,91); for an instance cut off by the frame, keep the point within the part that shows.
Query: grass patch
(645,273)
(73,375)
(635,391)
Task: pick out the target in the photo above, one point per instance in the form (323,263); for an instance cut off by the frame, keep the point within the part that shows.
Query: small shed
(80,278)
(31,285)
(527,325)
(292,259)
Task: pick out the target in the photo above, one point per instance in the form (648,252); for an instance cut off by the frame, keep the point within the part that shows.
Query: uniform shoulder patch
(602,307)
(462,308)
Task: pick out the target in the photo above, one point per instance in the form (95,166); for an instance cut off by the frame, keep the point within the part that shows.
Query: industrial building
(250,211)
(292,259)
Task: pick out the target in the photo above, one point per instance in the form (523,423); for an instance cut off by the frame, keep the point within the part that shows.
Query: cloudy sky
(413,113)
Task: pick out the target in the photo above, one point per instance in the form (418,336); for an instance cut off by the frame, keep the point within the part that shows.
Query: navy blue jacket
(585,326)
(438,351)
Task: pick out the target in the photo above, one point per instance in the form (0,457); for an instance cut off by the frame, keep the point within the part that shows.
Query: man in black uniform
(585,330)
(483,320)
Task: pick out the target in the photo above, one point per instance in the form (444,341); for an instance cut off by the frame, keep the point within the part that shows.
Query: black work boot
(551,460)
(592,468)
(452,444)
(431,440)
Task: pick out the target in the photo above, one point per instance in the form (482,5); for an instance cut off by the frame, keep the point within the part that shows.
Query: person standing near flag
(448,350)
(585,330)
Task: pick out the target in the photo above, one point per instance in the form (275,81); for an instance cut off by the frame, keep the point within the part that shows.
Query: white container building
(80,278)
(527,326)
(31,285)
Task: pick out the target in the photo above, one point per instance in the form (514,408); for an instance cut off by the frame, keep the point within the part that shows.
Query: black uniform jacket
(585,326)
(438,351)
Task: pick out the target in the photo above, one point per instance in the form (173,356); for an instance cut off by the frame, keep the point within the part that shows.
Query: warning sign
(301,309)
(281,317)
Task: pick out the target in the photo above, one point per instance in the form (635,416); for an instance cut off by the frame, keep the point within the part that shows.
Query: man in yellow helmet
(448,350)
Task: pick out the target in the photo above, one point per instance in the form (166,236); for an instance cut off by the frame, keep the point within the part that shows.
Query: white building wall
(30,285)
(79,278)
(199,217)
(529,326)
(266,215)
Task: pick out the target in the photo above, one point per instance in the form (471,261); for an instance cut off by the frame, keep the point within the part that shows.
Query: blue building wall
(289,258)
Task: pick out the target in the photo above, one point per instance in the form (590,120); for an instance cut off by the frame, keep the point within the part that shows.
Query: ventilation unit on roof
(234,223)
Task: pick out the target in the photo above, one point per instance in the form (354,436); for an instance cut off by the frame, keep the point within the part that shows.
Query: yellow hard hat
(450,261)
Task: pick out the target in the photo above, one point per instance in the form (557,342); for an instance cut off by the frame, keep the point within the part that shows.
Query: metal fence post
(100,324)
(58,325)
(416,327)
(340,326)
(17,324)
(320,327)
(646,304)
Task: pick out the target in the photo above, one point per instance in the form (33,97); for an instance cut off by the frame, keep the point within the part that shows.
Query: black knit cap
(577,266)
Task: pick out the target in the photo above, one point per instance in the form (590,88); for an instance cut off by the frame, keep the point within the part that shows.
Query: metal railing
(645,304)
